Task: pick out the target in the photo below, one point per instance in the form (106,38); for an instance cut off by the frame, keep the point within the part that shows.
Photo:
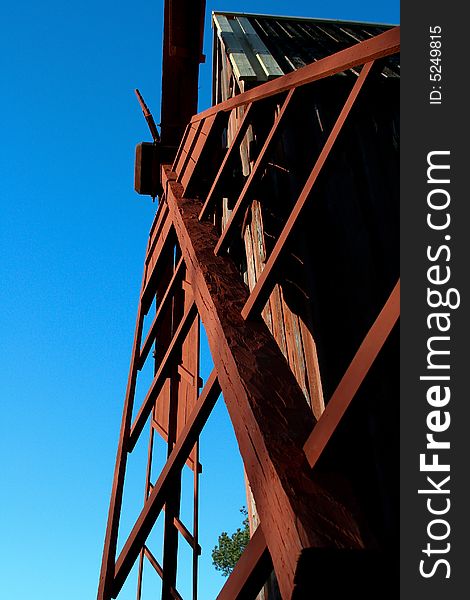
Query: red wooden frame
(278,437)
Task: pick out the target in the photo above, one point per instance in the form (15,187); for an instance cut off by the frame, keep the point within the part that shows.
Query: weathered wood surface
(287,327)
(290,332)
(268,409)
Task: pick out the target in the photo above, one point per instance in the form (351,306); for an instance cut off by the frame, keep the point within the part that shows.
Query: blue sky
(72,242)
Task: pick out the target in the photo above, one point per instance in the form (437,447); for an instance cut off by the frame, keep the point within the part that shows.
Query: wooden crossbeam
(151,335)
(250,572)
(160,376)
(202,138)
(152,508)
(155,230)
(106,582)
(181,527)
(158,568)
(353,377)
(155,260)
(229,156)
(238,210)
(266,281)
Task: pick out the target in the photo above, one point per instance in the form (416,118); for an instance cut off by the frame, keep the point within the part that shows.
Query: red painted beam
(266,405)
(232,152)
(251,571)
(160,376)
(158,568)
(173,465)
(105,585)
(354,376)
(157,255)
(246,567)
(181,527)
(244,198)
(182,52)
(155,229)
(152,333)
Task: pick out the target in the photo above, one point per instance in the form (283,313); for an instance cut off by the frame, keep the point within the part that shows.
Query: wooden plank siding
(288,329)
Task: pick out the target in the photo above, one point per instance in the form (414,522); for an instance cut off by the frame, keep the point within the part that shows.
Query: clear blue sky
(72,242)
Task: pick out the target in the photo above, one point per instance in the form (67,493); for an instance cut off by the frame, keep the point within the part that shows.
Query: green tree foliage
(230,547)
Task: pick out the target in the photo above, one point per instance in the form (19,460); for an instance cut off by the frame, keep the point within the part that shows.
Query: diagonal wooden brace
(267,407)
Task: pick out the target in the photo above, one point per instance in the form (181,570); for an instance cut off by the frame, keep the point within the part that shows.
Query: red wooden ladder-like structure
(190,276)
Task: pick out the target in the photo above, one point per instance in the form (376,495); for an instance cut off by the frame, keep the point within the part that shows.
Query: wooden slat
(259,253)
(176,162)
(255,255)
(279,332)
(186,149)
(238,210)
(158,380)
(268,63)
(250,260)
(385,44)
(162,306)
(295,353)
(161,213)
(152,270)
(158,568)
(266,282)
(106,581)
(233,45)
(313,371)
(196,150)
